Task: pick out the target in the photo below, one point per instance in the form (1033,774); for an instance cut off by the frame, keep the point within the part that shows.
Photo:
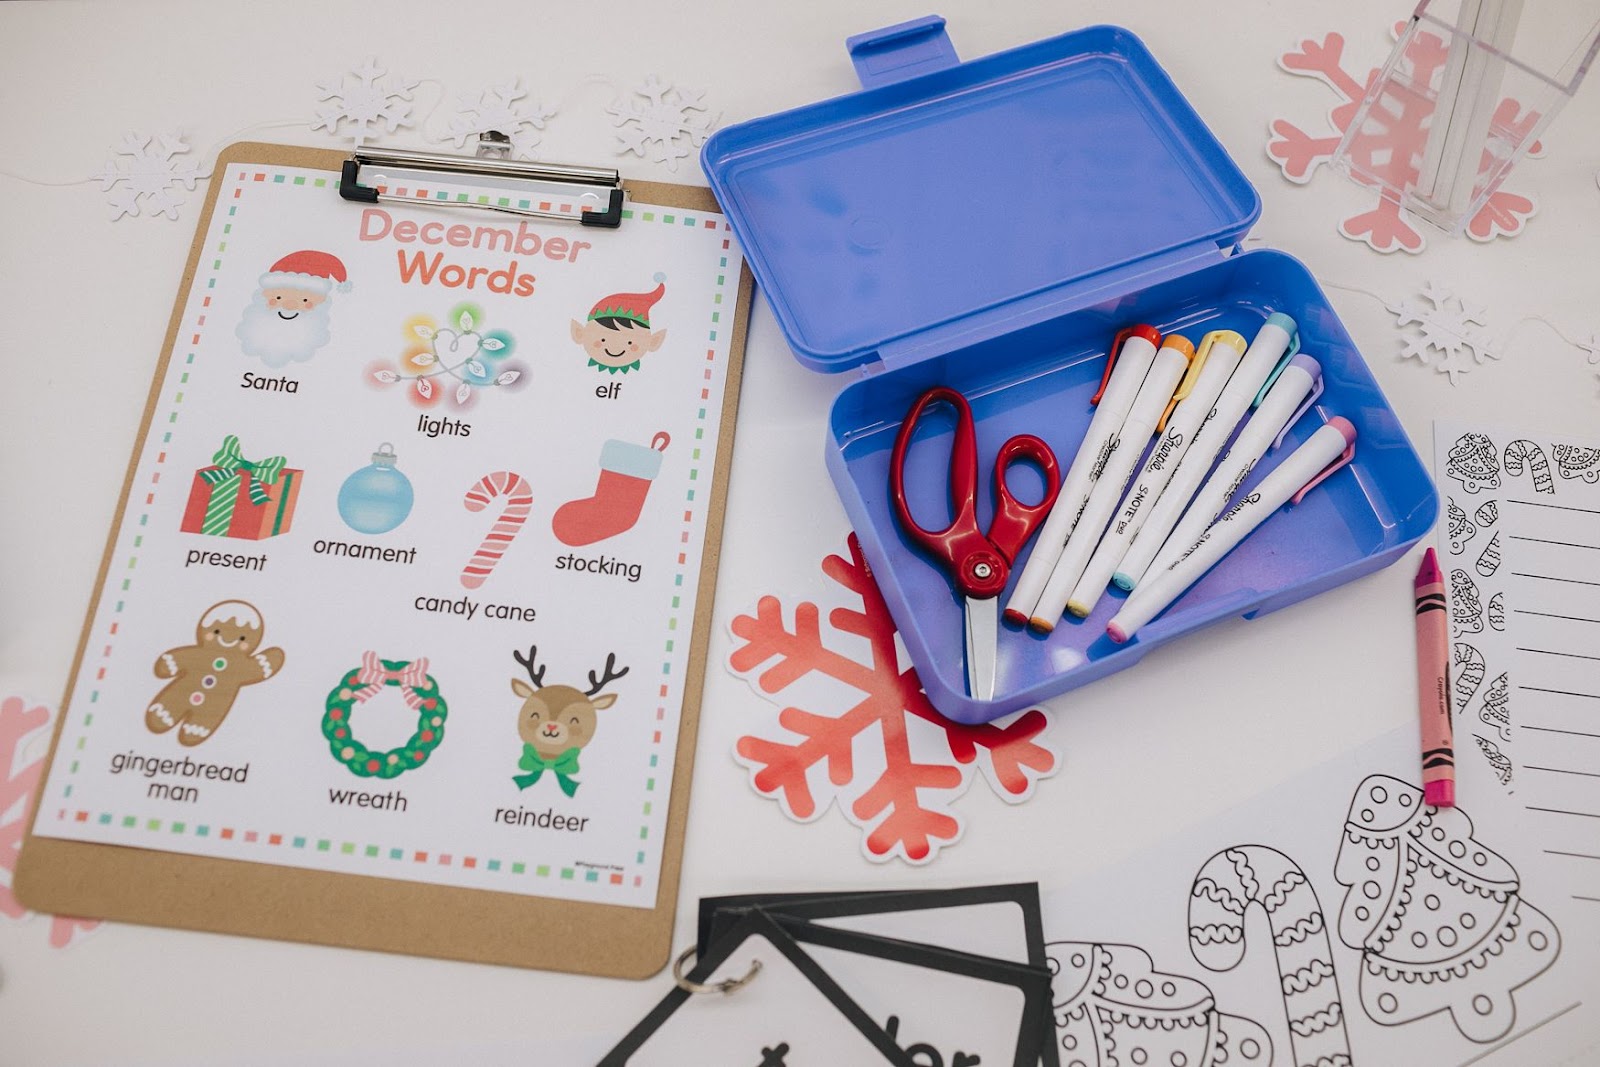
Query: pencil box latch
(895,53)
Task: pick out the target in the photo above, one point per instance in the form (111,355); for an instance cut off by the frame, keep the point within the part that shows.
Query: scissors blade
(983,635)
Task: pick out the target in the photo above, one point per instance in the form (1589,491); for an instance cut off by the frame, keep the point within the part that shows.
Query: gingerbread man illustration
(207,675)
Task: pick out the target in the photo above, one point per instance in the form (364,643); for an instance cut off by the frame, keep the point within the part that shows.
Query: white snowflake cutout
(142,173)
(498,108)
(664,125)
(1449,330)
(375,97)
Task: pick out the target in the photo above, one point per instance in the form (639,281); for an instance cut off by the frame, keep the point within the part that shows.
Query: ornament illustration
(617,333)
(1573,461)
(1489,558)
(1391,145)
(1474,462)
(626,474)
(1497,759)
(880,751)
(206,676)
(514,490)
(1524,453)
(1459,530)
(238,497)
(1496,711)
(287,318)
(556,722)
(1469,670)
(1437,916)
(1488,514)
(420,692)
(1227,886)
(458,360)
(378,497)
(1466,609)
(1497,611)
(1113,1007)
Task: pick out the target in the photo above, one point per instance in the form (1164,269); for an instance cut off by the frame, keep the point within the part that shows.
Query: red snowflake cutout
(1394,152)
(893,764)
(17,783)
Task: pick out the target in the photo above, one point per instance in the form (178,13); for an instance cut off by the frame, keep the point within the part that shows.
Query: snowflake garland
(503,108)
(1448,329)
(661,122)
(18,780)
(1395,151)
(376,97)
(143,174)
(873,745)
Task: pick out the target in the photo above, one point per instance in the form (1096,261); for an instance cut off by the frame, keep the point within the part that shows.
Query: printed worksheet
(1337,919)
(407,573)
(1527,659)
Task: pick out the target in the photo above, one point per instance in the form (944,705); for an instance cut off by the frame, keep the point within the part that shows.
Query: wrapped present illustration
(238,497)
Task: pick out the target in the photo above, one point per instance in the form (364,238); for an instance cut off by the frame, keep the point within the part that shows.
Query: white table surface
(85,302)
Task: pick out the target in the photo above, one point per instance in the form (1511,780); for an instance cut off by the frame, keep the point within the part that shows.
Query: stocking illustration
(626,471)
(1438,917)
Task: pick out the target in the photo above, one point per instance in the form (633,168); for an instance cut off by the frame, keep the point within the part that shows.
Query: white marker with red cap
(1324,452)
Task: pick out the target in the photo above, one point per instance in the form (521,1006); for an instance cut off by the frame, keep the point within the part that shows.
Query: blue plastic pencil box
(989,226)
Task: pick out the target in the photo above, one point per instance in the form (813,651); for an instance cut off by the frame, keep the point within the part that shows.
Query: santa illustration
(617,333)
(286,320)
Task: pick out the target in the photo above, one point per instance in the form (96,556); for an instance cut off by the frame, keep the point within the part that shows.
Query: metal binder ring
(727,985)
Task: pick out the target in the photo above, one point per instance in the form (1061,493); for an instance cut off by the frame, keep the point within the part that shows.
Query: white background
(1196,728)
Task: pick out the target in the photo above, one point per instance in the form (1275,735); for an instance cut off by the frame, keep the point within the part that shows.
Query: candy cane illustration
(1522,452)
(1224,889)
(518,498)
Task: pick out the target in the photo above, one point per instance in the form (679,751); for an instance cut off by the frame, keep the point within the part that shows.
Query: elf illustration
(617,333)
(286,320)
(207,675)
(557,721)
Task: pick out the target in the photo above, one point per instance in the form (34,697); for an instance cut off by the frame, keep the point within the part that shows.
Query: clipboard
(370,911)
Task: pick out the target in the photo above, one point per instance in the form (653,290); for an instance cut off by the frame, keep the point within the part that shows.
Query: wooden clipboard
(160,888)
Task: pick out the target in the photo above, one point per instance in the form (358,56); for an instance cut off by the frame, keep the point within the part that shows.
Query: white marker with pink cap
(1324,452)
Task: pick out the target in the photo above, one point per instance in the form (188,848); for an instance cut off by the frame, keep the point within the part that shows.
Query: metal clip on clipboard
(589,187)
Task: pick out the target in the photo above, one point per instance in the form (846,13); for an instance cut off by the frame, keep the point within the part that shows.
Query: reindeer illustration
(556,721)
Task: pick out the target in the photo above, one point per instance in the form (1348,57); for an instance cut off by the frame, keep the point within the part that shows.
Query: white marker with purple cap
(1291,396)
(1324,452)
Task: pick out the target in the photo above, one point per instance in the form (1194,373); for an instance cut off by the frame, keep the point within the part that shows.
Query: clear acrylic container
(1470,87)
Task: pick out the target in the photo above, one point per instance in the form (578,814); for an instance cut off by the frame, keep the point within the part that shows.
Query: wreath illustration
(418,689)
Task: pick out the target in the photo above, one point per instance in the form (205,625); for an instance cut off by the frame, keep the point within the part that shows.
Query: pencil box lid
(947,200)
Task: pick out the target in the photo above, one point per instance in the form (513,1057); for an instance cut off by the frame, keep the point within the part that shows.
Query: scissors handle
(1014,520)
(975,567)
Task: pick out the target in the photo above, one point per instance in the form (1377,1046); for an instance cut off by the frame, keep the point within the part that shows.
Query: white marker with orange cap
(1148,409)
(1324,452)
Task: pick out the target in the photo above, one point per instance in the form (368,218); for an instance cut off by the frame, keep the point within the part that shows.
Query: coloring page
(1543,700)
(1335,920)
(407,574)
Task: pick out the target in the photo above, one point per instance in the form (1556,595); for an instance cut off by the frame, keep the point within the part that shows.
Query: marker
(1324,452)
(1148,409)
(1127,364)
(1214,363)
(1291,396)
(1433,693)
(1276,342)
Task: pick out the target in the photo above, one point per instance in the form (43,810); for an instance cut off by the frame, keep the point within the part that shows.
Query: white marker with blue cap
(1275,343)
(1306,467)
(1291,396)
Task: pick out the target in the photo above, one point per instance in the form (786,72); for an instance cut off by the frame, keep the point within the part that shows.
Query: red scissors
(979,564)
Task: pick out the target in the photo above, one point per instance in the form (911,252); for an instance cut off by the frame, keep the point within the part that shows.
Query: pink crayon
(1433,685)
